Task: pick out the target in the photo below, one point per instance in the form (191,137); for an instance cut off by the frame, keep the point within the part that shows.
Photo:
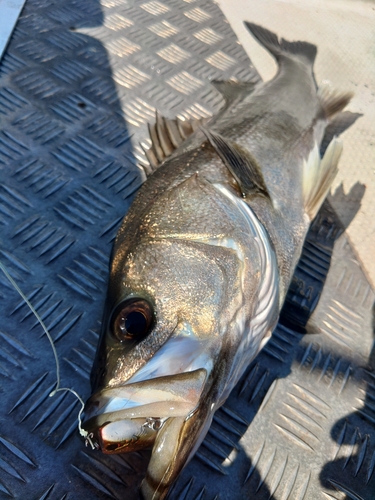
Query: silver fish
(202,261)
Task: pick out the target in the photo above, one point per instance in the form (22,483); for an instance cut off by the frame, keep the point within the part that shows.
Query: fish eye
(132,319)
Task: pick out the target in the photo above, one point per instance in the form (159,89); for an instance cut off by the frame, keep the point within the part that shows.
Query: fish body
(202,262)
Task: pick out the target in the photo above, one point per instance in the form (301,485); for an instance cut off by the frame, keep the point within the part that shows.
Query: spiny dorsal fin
(166,136)
(232,90)
(318,175)
(241,164)
(333,101)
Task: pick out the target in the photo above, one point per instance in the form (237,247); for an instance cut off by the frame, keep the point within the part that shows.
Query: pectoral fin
(241,164)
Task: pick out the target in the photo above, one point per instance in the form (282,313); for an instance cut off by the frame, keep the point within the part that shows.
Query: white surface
(9,13)
(344,31)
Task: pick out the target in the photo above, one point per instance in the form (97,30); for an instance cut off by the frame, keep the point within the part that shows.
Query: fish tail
(281,48)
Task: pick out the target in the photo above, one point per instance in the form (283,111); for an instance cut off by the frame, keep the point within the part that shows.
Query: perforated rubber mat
(78,84)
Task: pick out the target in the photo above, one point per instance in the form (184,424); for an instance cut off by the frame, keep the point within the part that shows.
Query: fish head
(172,331)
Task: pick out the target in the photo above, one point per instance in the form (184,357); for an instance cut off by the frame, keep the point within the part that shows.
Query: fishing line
(82,431)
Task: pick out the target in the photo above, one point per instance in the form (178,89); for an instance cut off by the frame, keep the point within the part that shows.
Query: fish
(202,261)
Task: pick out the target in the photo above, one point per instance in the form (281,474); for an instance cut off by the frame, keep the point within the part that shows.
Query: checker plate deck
(78,84)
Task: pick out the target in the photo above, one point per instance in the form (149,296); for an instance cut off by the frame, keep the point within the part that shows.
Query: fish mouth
(128,417)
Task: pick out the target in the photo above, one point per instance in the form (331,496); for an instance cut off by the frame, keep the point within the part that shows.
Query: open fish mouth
(128,417)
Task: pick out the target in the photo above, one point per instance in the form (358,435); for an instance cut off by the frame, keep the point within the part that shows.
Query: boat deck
(79,82)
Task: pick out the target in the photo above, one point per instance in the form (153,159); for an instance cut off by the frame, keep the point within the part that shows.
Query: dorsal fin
(333,101)
(232,90)
(241,164)
(341,122)
(166,136)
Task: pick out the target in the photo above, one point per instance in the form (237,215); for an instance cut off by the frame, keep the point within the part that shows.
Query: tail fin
(279,48)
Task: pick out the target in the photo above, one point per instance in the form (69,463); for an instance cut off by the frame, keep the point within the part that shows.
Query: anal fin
(241,164)
(318,175)
(166,136)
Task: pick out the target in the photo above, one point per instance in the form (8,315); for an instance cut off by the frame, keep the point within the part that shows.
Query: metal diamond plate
(78,84)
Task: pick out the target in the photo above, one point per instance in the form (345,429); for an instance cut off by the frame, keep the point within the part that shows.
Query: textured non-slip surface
(78,84)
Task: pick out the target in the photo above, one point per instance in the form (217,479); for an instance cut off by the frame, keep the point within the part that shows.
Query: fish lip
(158,398)
(142,435)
